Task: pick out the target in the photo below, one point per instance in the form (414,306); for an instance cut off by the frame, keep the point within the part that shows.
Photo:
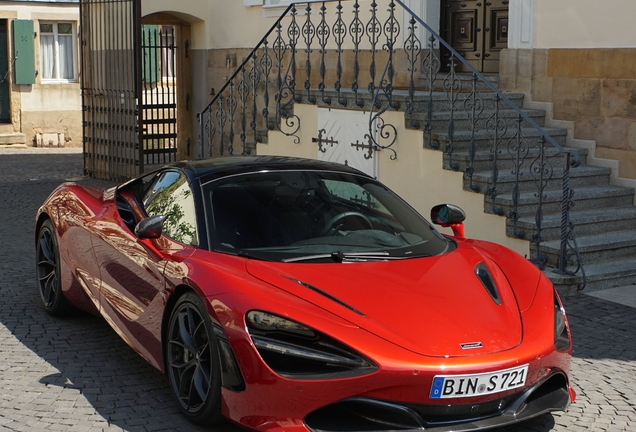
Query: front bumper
(365,414)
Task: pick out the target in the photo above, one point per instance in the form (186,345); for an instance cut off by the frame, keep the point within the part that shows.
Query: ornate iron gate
(111,88)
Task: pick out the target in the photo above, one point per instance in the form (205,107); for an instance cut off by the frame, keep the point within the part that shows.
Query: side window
(170,195)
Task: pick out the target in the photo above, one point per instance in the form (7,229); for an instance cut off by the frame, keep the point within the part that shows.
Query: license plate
(459,386)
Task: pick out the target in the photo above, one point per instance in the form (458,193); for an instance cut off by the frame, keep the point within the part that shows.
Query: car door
(133,284)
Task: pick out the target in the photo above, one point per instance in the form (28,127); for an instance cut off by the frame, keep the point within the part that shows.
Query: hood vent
(487,281)
(321,292)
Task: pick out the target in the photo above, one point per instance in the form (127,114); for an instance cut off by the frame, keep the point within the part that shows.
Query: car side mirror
(448,215)
(150,228)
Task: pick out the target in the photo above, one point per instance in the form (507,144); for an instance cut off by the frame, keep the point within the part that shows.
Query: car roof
(210,169)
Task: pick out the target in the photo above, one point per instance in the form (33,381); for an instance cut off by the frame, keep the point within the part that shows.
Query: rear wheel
(193,361)
(48,271)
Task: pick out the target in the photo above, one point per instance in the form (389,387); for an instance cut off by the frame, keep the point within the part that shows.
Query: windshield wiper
(308,258)
(339,257)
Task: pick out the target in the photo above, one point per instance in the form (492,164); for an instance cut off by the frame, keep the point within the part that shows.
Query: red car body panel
(420,292)
(393,312)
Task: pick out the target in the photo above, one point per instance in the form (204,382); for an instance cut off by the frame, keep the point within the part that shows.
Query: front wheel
(47,268)
(193,361)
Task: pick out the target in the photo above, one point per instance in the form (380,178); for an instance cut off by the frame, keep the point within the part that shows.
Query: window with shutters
(58,52)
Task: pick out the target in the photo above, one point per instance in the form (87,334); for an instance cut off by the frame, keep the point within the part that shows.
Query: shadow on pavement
(75,372)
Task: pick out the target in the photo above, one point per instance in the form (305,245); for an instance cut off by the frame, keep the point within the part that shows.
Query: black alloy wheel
(48,271)
(193,361)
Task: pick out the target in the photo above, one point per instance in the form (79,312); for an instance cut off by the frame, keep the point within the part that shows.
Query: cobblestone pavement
(76,374)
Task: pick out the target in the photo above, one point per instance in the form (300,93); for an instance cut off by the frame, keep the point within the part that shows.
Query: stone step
(599,276)
(463,121)
(605,247)
(462,140)
(506,162)
(464,77)
(422,100)
(12,139)
(581,176)
(585,198)
(440,101)
(586,222)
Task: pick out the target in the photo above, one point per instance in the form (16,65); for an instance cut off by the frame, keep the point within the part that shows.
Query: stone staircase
(604,215)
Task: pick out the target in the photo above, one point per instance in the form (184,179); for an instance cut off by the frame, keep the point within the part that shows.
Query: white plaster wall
(416,175)
(521,30)
(216,24)
(27,10)
(544,24)
(52,97)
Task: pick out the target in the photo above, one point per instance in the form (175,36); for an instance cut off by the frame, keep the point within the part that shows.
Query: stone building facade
(579,56)
(39,60)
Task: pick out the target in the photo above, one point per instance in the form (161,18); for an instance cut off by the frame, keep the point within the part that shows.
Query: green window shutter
(24,51)
(150,48)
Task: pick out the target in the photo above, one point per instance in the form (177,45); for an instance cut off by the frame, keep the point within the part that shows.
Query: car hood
(434,306)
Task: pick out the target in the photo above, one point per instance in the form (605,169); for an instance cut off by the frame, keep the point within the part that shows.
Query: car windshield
(314,216)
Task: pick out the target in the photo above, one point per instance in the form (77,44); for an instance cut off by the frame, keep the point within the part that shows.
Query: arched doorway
(166,89)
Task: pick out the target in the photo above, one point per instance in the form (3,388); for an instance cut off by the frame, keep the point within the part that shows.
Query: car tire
(47,268)
(192,361)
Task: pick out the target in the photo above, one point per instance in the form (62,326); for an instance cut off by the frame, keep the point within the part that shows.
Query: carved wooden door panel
(476,29)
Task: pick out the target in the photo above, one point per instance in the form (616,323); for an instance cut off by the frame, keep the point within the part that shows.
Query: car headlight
(562,340)
(295,351)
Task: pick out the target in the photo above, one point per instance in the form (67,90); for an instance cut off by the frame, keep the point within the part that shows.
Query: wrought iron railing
(281,71)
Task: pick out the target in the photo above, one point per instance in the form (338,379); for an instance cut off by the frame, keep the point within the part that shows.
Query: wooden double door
(478,30)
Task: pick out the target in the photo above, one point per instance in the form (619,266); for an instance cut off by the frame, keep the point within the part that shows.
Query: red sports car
(288,294)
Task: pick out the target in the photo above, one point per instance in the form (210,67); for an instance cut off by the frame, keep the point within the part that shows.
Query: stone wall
(594,88)
(63,128)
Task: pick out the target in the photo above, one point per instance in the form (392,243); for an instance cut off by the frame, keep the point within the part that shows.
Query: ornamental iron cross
(362,146)
(320,140)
